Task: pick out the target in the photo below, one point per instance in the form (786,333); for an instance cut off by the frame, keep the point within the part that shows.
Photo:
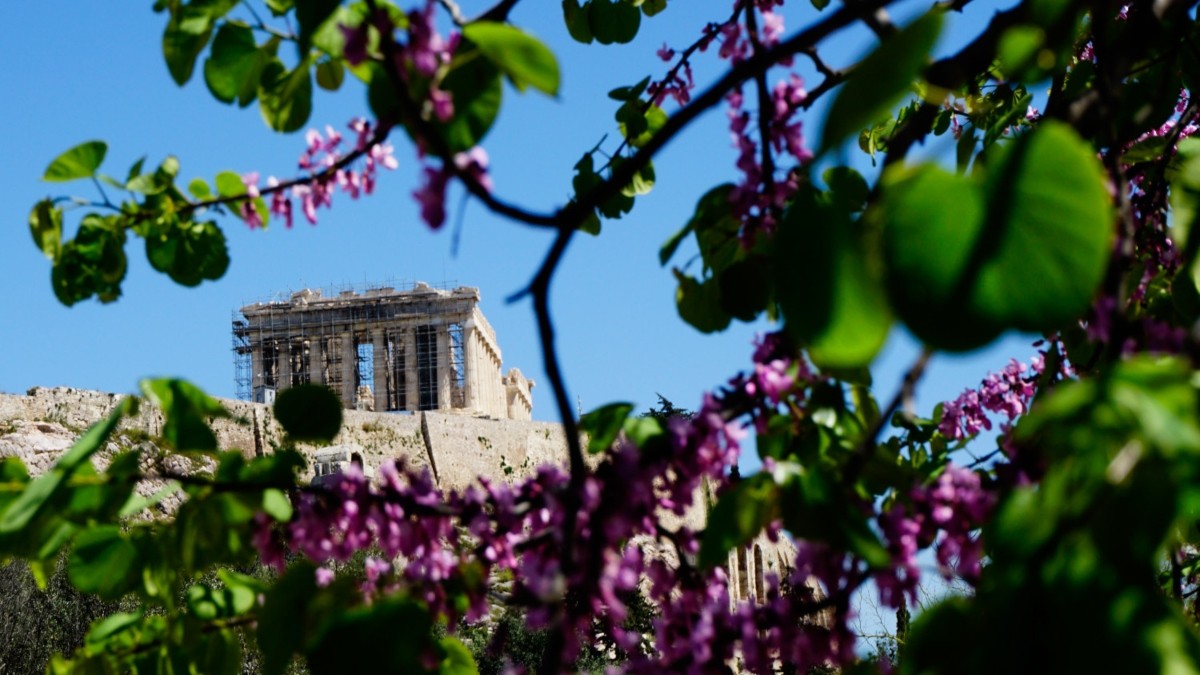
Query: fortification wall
(40,425)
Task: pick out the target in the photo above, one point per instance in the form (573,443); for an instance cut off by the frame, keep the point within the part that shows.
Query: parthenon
(382,349)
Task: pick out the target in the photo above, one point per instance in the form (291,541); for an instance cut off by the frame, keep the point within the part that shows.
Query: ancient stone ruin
(381,350)
(423,351)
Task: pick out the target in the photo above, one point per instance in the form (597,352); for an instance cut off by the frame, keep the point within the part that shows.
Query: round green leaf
(330,74)
(927,247)
(699,304)
(309,412)
(1050,215)
(456,658)
(1024,249)
(613,21)
(233,69)
(576,18)
(184,38)
(285,97)
(474,85)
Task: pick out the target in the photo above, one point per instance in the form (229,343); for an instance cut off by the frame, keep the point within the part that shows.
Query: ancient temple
(381,349)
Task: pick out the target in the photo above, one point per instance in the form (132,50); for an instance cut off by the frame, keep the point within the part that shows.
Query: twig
(455,12)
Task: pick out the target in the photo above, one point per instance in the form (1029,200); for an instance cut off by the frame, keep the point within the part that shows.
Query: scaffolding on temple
(379,348)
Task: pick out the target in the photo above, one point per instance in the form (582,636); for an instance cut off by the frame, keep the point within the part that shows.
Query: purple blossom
(355,48)
(1008,393)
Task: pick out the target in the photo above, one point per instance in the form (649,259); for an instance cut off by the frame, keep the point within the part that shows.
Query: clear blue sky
(94,70)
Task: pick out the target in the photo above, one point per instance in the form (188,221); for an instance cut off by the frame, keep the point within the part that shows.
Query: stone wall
(40,425)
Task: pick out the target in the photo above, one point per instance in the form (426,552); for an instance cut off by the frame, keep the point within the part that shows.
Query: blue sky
(92,70)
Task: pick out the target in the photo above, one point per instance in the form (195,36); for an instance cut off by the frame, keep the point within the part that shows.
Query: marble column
(349,370)
(379,369)
(257,379)
(445,371)
(412,392)
(284,365)
(316,361)
(470,368)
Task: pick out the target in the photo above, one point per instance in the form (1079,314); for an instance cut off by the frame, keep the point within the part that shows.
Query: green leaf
(630,93)
(590,224)
(642,430)
(285,96)
(186,35)
(881,80)
(814,505)
(390,636)
(104,562)
(199,189)
(922,282)
(208,604)
(475,85)
(456,658)
(830,290)
(717,229)
(309,412)
(103,629)
(310,15)
(330,74)
(137,503)
(653,7)
(1041,212)
(576,18)
(848,189)
(699,304)
(613,21)
(522,57)
(187,410)
(641,183)
(229,184)
(189,252)
(275,503)
(671,245)
(280,7)
(740,514)
(80,161)
(744,289)
(234,67)
(1049,207)
(281,623)
(638,126)
(604,424)
(45,223)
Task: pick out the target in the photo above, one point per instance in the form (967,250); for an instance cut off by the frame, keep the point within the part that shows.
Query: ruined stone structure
(380,350)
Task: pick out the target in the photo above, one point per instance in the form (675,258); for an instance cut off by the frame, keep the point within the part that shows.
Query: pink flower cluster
(949,512)
(428,536)
(1007,393)
(421,56)
(432,193)
(755,197)
(576,584)
(323,158)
